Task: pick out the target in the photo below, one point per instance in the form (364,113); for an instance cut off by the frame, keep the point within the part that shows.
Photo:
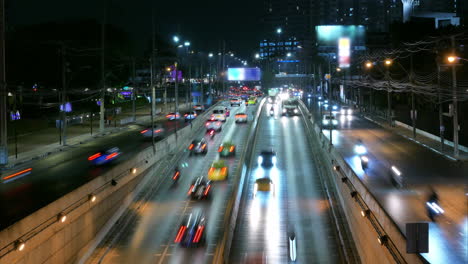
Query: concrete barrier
(88,208)
(369,222)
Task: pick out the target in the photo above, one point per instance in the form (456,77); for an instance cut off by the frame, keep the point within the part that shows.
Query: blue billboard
(244,74)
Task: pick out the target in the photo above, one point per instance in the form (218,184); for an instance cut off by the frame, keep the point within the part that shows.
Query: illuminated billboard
(329,35)
(244,74)
(344,52)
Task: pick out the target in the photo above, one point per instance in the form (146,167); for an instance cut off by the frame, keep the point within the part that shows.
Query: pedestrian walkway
(425,141)
(42,143)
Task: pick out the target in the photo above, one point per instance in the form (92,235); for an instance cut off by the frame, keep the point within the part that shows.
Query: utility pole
(176,89)
(223,71)
(64,95)
(330,104)
(152,104)
(152,60)
(103,68)
(134,90)
(413,107)
(3,91)
(441,112)
(389,99)
(201,84)
(455,103)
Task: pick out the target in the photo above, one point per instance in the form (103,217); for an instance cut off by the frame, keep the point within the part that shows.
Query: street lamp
(289,54)
(338,69)
(279,30)
(210,55)
(452,59)
(175,39)
(453,62)
(187,44)
(388,62)
(368,65)
(257,56)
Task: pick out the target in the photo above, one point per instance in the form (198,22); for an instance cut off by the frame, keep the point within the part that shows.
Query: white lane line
(163,255)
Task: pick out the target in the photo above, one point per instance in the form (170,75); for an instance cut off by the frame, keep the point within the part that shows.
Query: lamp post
(388,63)
(369,66)
(453,60)
(210,56)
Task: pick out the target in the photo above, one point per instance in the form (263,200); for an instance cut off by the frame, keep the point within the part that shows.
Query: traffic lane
(215,208)
(406,206)
(393,149)
(170,204)
(265,220)
(60,173)
(309,209)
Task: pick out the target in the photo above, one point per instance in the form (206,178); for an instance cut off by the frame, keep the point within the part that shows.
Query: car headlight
(295,111)
(350,112)
(343,111)
(335,122)
(335,107)
(269,100)
(325,122)
(325,105)
(273,159)
(360,149)
(284,110)
(260,160)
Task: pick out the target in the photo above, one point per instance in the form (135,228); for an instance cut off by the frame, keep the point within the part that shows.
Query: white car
(345,110)
(190,115)
(218,115)
(329,121)
(158,132)
(199,107)
(213,125)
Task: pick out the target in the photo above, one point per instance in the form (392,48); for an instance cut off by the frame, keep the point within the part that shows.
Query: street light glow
(176,39)
(338,69)
(257,56)
(279,30)
(289,54)
(388,62)
(368,64)
(451,59)
(210,55)
(186,43)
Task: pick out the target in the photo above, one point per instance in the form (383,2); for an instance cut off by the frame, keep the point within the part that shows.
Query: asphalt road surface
(150,238)
(298,203)
(420,168)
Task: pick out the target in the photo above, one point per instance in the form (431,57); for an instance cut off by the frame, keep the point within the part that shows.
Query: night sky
(205,23)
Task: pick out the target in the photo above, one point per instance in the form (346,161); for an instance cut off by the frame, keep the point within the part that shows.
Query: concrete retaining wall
(48,240)
(367,229)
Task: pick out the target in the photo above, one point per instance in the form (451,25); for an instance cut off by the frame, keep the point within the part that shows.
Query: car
(227,149)
(263,185)
(335,109)
(236,101)
(213,125)
(241,118)
(199,107)
(199,189)
(290,107)
(218,171)
(104,156)
(190,115)
(191,232)
(218,115)
(158,132)
(329,121)
(198,146)
(345,110)
(173,116)
(252,100)
(267,158)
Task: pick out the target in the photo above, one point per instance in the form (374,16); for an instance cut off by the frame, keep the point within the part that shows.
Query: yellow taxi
(252,100)
(218,171)
(264,185)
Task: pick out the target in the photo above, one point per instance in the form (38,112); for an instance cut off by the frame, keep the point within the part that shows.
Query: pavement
(58,173)
(421,168)
(297,205)
(149,238)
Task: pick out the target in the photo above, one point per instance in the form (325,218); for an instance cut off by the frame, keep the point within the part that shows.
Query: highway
(62,172)
(150,237)
(298,203)
(420,168)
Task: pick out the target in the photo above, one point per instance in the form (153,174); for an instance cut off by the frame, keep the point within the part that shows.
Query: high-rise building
(292,16)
